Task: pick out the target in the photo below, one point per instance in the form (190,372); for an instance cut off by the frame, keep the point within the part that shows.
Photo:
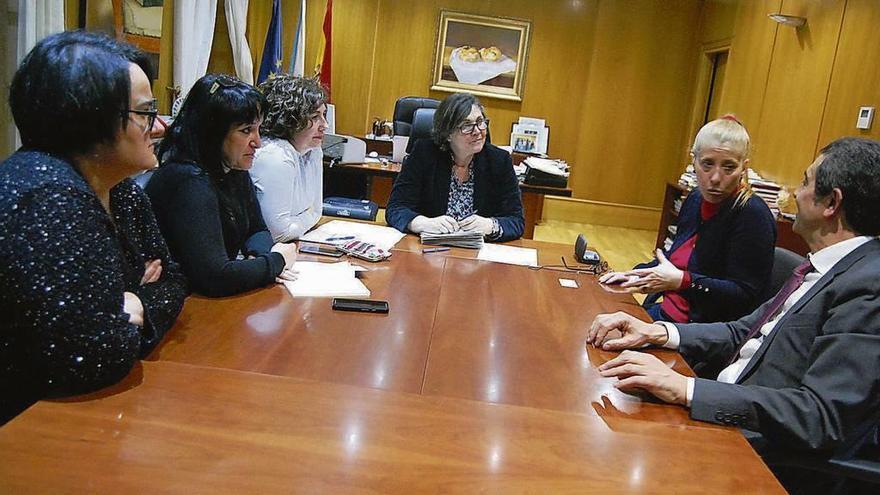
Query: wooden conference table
(477,380)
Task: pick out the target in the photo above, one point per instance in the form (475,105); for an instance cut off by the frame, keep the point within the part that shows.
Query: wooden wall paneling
(748,64)
(404,53)
(797,87)
(558,58)
(855,81)
(717,20)
(71,14)
(637,101)
(99,16)
(558,72)
(166,60)
(220,60)
(353,70)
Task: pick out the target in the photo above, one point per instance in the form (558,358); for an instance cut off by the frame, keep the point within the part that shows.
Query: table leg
(533,209)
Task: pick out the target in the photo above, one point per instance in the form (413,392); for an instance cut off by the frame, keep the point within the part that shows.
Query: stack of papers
(508,254)
(553,167)
(316,279)
(462,239)
(338,232)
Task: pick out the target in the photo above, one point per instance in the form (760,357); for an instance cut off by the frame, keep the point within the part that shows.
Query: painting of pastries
(482,55)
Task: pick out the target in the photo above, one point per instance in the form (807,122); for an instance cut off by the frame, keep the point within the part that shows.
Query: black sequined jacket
(64,266)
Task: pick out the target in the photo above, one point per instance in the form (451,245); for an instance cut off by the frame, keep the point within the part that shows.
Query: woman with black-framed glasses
(456,180)
(87,285)
(203,196)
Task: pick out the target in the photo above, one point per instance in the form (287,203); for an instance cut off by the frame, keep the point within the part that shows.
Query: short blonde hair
(729,133)
(726,132)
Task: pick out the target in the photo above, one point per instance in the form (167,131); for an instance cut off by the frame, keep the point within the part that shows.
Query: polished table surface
(189,429)
(473,356)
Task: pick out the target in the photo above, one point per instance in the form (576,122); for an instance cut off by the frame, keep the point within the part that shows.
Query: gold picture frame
(482,55)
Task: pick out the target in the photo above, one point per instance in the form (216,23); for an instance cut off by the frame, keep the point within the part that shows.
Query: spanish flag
(322,62)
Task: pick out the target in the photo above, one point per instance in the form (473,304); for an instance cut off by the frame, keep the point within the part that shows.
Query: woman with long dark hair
(203,195)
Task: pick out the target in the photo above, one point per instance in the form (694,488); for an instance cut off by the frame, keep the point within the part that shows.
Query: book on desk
(360,209)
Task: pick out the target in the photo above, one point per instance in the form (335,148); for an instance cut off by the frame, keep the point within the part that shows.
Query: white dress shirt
(289,187)
(822,260)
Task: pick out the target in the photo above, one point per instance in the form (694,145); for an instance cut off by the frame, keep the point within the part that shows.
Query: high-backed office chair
(784,263)
(404,112)
(422,125)
(852,475)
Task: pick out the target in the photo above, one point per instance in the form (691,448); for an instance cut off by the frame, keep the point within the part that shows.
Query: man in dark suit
(802,371)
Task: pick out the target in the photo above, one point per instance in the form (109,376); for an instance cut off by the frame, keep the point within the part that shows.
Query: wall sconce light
(788,20)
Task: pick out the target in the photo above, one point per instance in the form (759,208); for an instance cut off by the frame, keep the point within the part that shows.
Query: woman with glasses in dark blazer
(203,195)
(456,180)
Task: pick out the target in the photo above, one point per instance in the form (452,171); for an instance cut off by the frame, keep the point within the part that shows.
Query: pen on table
(435,250)
(346,238)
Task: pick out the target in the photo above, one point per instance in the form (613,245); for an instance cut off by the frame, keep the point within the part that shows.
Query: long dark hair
(215,104)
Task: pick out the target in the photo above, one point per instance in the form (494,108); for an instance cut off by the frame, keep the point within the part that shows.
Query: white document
(344,232)
(508,254)
(545,165)
(315,279)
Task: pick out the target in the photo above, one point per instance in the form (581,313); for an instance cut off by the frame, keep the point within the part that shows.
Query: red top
(674,304)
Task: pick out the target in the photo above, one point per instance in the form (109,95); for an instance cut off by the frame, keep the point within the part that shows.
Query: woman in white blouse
(288,169)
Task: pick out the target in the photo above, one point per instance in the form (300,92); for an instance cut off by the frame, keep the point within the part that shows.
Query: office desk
(188,429)
(478,379)
(380,179)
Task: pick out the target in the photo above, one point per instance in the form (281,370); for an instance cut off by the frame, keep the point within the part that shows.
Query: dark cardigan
(422,188)
(64,266)
(207,225)
(732,260)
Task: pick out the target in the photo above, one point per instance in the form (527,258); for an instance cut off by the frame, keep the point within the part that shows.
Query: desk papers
(508,254)
(383,237)
(315,279)
(462,239)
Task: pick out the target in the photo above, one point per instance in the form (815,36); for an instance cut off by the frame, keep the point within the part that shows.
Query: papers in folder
(316,279)
(462,239)
(339,232)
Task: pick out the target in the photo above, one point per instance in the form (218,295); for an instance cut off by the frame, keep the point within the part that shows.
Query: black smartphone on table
(360,305)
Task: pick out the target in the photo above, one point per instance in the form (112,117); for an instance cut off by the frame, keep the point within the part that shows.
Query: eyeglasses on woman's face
(468,127)
(150,114)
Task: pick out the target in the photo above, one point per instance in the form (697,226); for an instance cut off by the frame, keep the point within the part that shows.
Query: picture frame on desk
(482,55)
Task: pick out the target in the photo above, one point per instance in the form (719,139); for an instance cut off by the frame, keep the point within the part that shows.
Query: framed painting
(482,55)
